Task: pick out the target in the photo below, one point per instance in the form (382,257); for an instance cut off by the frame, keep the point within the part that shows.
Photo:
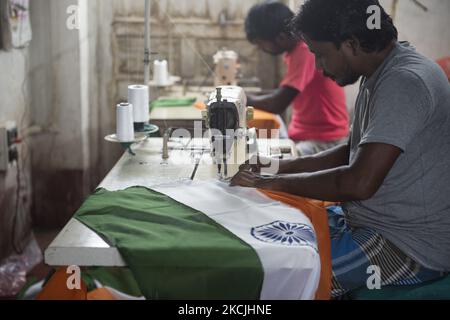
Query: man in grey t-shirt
(393,177)
(406,104)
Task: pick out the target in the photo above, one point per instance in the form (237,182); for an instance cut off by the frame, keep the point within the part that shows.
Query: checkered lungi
(354,251)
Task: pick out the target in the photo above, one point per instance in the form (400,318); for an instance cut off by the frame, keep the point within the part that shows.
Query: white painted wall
(14,106)
(59,80)
(66,87)
(427,31)
(103,89)
(13,84)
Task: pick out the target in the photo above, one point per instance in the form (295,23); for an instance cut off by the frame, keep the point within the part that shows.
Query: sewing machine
(227,68)
(226,118)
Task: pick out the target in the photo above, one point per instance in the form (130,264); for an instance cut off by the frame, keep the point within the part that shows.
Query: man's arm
(356,182)
(336,157)
(275,102)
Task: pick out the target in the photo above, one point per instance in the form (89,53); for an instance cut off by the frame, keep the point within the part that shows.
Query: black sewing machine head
(223,115)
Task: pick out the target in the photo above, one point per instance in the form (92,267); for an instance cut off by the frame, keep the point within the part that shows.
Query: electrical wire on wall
(18,249)
(420,5)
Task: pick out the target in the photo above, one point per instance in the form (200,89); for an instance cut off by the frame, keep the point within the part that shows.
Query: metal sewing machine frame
(226,118)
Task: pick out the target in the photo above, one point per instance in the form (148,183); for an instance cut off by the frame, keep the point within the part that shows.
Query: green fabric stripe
(174,252)
(173,102)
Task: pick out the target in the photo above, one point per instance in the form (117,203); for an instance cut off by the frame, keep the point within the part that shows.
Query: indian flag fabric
(206,240)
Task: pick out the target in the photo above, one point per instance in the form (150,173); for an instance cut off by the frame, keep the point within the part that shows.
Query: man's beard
(349,79)
(275,53)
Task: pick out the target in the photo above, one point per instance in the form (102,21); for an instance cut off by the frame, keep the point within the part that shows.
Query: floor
(44,238)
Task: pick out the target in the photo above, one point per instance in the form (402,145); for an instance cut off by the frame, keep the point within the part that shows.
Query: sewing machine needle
(195,170)
(197,164)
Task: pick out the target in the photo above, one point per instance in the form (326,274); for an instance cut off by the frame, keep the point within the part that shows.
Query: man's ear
(282,39)
(352,46)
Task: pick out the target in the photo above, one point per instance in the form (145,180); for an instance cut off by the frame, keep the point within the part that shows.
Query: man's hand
(252,180)
(257,163)
(249,174)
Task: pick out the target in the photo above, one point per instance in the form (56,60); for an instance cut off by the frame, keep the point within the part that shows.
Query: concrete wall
(107,153)
(14,92)
(53,87)
(72,92)
(187,33)
(65,89)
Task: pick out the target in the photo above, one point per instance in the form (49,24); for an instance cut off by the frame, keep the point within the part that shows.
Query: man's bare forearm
(264,102)
(275,102)
(357,181)
(335,185)
(333,158)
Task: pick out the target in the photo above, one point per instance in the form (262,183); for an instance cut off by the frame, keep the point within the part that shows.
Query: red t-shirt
(320,110)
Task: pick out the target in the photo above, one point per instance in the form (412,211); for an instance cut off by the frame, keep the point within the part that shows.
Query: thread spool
(161,73)
(138,96)
(125,126)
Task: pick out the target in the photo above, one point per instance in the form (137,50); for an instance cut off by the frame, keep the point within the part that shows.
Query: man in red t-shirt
(320,119)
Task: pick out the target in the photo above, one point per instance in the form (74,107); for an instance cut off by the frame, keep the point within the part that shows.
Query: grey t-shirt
(406,103)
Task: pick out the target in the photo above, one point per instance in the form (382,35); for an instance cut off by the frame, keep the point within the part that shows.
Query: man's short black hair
(339,20)
(267,20)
